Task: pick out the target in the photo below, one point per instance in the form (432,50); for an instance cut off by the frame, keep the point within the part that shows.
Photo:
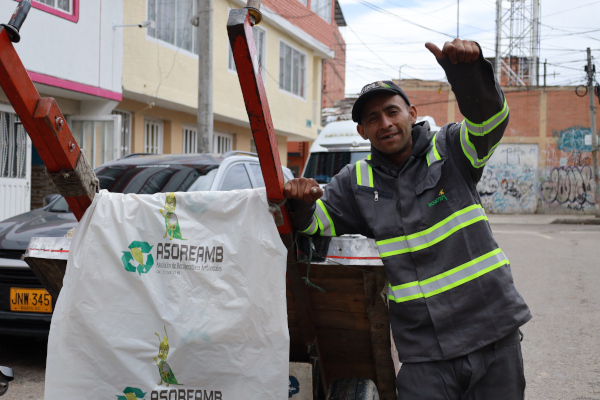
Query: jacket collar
(421,138)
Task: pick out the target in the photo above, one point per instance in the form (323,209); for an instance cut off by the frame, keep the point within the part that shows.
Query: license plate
(30,300)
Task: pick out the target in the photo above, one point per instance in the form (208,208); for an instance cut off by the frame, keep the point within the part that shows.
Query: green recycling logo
(131,393)
(138,258)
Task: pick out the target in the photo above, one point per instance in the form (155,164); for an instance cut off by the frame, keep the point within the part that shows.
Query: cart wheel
(3,385)
(353,389)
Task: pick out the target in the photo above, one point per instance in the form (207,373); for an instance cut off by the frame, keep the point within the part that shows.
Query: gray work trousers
(494,372)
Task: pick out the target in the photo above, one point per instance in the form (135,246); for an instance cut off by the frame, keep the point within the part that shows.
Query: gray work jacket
(450,286)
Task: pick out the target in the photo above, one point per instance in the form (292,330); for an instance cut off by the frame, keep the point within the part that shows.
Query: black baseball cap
(371,89)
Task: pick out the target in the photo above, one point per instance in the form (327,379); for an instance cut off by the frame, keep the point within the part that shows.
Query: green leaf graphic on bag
(140,253)
(131,393)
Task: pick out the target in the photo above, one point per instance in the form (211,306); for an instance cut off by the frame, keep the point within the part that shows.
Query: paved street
(557,271)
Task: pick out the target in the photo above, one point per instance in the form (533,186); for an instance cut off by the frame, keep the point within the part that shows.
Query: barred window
(125,131)
(222,142)
(13,147)
(190,140)
(153,136)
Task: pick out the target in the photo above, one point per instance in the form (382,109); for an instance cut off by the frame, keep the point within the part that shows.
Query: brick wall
(553,124)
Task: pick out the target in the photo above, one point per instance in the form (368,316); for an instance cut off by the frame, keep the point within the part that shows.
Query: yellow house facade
(160,79)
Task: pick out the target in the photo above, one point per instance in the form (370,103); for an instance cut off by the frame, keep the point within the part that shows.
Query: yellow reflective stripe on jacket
(364,173)
(324,220)
(449,279)
(487,126)
(432,154)
(469,148)
(312,228)
(427,238)
(467,127)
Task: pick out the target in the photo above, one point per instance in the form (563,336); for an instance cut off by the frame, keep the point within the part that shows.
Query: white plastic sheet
(172,296)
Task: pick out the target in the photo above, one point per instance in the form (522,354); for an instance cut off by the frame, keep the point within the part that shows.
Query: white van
(340,144)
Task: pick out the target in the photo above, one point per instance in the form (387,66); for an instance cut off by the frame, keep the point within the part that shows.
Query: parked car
(136,173)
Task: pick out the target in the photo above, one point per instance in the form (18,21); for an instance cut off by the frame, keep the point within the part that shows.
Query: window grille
(153,137)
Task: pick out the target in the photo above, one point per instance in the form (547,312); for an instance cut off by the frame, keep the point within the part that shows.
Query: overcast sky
(380,41)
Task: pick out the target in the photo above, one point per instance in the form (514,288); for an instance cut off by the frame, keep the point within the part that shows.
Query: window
(67,9)
(292,70)
(172,22)
(322,8)
(97,139)
(322,167)
(222,142)
(236,177)
(302,1)
(260,43)
(190,140)
(13,147)
(125,131)
(153,136)
(63,5)
(258,176)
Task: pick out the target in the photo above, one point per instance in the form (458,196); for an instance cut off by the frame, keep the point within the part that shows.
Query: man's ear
(412,110)
(361,131)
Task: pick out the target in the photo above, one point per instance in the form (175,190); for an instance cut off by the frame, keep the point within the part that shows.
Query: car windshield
(324,166)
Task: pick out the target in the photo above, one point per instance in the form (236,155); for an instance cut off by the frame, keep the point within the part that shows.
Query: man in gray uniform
(454,310)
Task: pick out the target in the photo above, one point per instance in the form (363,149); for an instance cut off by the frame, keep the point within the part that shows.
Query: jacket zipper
(376,195)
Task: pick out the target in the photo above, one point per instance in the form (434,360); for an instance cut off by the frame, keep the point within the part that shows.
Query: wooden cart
(338,320)
(342,331)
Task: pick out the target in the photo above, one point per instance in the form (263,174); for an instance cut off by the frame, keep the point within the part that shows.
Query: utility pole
(205,75)
(497,61)
(590,73)
(400,74)
(545,63)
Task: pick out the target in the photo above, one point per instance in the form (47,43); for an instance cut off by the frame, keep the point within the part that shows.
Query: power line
(386,12)
(571,9)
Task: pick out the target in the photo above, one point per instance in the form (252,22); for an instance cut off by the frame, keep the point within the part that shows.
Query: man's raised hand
(304,189)
(458,51)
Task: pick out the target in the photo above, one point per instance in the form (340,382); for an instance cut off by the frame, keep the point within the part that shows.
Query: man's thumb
(435,50)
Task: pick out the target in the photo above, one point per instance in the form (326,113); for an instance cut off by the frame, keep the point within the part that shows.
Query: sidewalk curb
(583,221)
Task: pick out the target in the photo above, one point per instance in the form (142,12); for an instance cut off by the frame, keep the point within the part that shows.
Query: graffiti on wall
(566,184)
(509,181)
(573,139)
(570,187)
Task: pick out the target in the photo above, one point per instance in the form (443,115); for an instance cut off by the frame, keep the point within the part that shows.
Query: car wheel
(353,389)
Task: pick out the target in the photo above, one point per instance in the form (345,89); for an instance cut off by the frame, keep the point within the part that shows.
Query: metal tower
(517,42)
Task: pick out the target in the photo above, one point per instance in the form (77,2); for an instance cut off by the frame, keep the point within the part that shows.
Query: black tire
(3,385)
(353,389)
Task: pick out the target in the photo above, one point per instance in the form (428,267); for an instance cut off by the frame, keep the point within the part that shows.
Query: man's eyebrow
(386,108)
(371,114)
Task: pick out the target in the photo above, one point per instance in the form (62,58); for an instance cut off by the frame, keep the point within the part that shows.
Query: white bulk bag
(172,296)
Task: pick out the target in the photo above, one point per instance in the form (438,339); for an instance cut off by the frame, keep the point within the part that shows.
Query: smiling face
(387,123)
